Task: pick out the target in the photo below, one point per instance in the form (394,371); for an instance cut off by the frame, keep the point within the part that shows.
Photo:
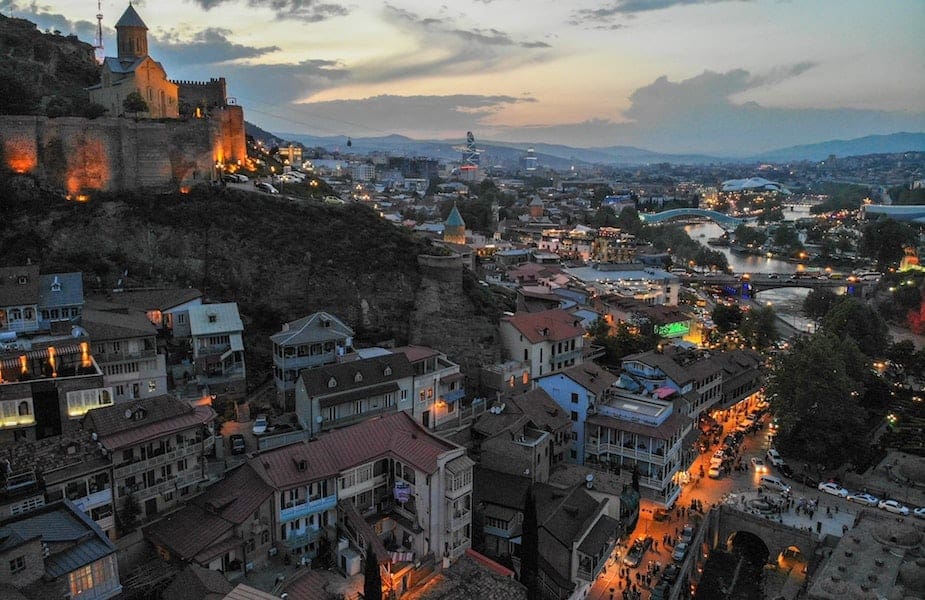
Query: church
(133,70)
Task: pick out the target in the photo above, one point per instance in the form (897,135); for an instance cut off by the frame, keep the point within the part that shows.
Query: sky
(721,77)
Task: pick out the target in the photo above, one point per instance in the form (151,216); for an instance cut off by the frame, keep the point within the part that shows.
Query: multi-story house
(167,308)
(576,535)
(125,348)
(342,394)
(577,391)
(438,386)
(548,341)
(30,303)
(216,335)
(56,551)
(546,415)
(157,449)
(646,433)
(227,528)
(385,482)
(312,341)
(45,389)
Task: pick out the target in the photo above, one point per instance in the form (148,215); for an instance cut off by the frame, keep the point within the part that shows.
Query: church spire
(131,35)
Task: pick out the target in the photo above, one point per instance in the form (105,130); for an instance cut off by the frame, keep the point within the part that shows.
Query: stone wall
(110,154)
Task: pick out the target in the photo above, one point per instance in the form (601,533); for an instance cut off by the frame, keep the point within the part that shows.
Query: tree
(18,95)
(819,302)
(628,220)
(530,547)
(135,104)
(815,400)
(883,240)
(759,327)
(851,318)
(726,317)
(372,577)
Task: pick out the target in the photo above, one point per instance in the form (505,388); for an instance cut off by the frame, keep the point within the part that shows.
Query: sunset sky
(715,76)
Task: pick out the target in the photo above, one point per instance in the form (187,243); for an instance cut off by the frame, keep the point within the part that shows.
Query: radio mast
(100,54)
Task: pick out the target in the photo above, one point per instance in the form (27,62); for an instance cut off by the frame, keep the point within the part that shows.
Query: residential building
(343,394)
(648,434)
(385,481)
(32,303)
(438,387)
(312,341)
(157,448)
(549,341)
(46,386)
(576,535)
(508,377)
(167,308)
(578,391)
(216,335)
(227,528)
(57,551)
(125,348)
(617,488)
(546,415)
(646,284)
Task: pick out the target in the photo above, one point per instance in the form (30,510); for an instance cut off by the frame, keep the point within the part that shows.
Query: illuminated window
(152,386)
(526,377)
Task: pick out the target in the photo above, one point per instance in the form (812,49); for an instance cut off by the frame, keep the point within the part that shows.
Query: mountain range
(562,157)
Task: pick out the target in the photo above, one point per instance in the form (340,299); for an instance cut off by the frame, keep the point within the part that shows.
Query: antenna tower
(99,32)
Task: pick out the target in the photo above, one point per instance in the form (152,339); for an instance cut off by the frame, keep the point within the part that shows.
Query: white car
(833,488)
(260,425)
(774,458)
(714,473)
(919,512)
(894,507)
(865,499)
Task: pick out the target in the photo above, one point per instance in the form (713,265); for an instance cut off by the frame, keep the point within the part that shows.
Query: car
(680,551)
(863,498)
(670,574)
(660,591)
(894,507)
(785,470)
(238,444)
(717,461)
(266,187)
(260,425)
(774,458)
(242,178)
(830,487)
(715,472)
(637,551)
(919,513)
(230,178)
(759,465)
(687,533)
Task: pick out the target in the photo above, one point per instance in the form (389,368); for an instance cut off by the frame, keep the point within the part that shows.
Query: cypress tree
(372,578)
(530,547)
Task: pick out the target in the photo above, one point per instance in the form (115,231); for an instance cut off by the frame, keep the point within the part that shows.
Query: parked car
(266,187)
(894,507)
(830,487)
(774,458)
(919,513)
(670,573)
(862,498)
(260,425)
(715,472)
(759,465)
(687,533)
(238,444)
(680,551)
(785,470)
(774,483)
(660,591)
(637,551)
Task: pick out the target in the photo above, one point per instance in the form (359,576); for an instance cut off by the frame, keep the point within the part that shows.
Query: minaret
(131,35)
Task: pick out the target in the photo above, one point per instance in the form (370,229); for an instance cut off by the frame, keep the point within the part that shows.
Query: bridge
(777,537)
(723,220)
(760,282)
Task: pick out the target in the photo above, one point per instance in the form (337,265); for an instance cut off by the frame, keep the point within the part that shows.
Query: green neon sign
(676,329)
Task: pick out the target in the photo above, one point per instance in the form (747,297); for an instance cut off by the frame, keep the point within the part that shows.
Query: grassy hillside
(278,260)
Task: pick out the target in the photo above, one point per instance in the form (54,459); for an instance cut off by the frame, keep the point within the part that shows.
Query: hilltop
(277,259)
(43,73)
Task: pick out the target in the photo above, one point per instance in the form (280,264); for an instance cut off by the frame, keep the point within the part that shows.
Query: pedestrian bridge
(778,537)
(723,220)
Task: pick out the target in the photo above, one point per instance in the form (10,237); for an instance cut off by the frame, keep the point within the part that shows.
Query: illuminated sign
(676,329)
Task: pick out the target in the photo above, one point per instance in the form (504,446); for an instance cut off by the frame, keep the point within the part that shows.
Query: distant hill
(43,73)
(871,144)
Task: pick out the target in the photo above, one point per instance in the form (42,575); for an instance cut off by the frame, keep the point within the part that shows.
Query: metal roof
(130,18)
(69,286)
(207,319)
(312,329)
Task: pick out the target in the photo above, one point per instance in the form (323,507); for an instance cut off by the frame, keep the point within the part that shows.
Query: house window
(526,377)
(18,564)
(15,314)
(526,355)
(28,314)
(358,377)
(181,318)
(574,415)
(152,386)
(387,371)
(404,394)
(358,407)
(251,546)
(511,381)
(213,318)
(574,398)
(332,383)
(264,538)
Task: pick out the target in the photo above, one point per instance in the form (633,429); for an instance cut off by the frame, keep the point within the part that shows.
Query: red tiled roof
(396,435)
(557,324)
(149,431)
(237,496)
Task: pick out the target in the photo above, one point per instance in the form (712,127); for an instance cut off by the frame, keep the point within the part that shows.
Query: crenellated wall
(82,155)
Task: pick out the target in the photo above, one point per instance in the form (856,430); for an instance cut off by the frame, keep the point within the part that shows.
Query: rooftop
(19,285)
(130,18)
(129,423)
(553,325)
(104,325)
(153,299)
(354,375)
(208,319)
(61,289)
(316,327)
(470,578)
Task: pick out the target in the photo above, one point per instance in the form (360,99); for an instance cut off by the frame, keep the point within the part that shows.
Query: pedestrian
(656,545)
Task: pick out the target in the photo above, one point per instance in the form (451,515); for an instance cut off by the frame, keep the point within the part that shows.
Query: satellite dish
(128,413)
(589,477)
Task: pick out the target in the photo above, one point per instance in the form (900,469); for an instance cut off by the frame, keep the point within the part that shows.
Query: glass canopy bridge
(723,220)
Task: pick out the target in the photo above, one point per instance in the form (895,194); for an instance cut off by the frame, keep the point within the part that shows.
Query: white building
(548,341)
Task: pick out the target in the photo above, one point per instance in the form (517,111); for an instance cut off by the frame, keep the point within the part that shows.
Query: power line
(250,107)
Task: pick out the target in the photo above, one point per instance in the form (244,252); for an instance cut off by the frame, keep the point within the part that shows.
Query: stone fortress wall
(110,154)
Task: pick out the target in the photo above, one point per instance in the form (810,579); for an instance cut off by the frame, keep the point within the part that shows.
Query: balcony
(501,532)
(174,455)
(454,395)
(95,499)
(307,508)
(459,519)
(107,523)
(564,356)
(297,539)
(111,357)
(634,453)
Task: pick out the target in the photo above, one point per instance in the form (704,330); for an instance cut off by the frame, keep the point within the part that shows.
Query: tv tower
(100,54)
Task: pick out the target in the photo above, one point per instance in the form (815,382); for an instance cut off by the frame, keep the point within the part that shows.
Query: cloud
(208,46)
(700,114)
(598,17)
(49,21)
(312,11)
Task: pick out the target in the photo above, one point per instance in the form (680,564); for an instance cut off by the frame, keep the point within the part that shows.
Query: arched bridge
(723,220)
(776,536)
(760,282)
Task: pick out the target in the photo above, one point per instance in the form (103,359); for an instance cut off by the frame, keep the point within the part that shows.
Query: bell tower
(131,35)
